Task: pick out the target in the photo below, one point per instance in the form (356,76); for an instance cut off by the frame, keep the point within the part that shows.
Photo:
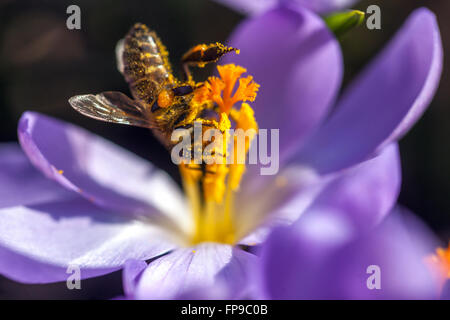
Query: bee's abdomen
(145,62)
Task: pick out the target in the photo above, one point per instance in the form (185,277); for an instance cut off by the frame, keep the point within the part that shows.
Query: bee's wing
(111,106)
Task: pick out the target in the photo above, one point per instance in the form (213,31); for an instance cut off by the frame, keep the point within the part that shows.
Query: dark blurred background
(42,64)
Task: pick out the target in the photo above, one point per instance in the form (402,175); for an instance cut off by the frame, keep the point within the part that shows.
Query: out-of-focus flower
(299,67)
(439,264)
(258,6)
(118,210)
(313,259)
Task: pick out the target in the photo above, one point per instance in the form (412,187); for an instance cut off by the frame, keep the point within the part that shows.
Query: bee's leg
(203,54)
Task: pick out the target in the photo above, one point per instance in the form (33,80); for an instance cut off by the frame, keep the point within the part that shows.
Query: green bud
(343,22)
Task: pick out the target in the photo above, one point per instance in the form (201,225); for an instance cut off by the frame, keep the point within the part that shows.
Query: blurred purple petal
(249,6)
(72,232)
(216,291)
(385,101)
(290,259)
(297,62)
(317,260)
(281,200)
(364,194)
(398,248)
(97,169)
(446,292)
(29,270)
(258,6)
(323,6)
(21,183)
(187,271)
(130,274)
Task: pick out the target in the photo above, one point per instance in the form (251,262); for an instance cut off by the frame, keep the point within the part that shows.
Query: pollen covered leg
(203,54)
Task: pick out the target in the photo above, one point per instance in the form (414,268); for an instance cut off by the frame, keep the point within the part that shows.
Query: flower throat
(211,185)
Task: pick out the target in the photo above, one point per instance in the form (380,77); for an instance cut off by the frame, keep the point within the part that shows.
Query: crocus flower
(314,259)
(106,208)
(298,64)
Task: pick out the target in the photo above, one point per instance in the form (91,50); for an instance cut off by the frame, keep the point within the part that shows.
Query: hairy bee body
(147,70)
(145,64)
(160,101)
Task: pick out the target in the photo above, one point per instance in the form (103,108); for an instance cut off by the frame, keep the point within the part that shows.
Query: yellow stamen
(247,123)
(224,123)
(211,185)
(281,181)
(190,180)
(214,182)
(216,173)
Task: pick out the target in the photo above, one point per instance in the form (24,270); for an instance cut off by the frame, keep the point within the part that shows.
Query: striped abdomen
(145,64)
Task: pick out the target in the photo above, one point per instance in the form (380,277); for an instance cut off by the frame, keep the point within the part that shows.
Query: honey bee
(160,101)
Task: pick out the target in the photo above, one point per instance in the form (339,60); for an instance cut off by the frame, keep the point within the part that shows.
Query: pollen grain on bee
(212,146)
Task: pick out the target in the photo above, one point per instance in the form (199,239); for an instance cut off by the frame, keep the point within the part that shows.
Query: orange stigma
(220,90)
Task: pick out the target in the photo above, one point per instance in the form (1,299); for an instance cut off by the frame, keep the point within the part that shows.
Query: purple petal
(323,6)
(290,259)
(297,62)
(281,200)
(446,292)
(29,270)
(130,274)
(39,242)
(258,6)
(364,194)
(385,101)
(318,261)
(398,248)
(97,169)
(216,291)
(249,6)
(185,271)
(21,183)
